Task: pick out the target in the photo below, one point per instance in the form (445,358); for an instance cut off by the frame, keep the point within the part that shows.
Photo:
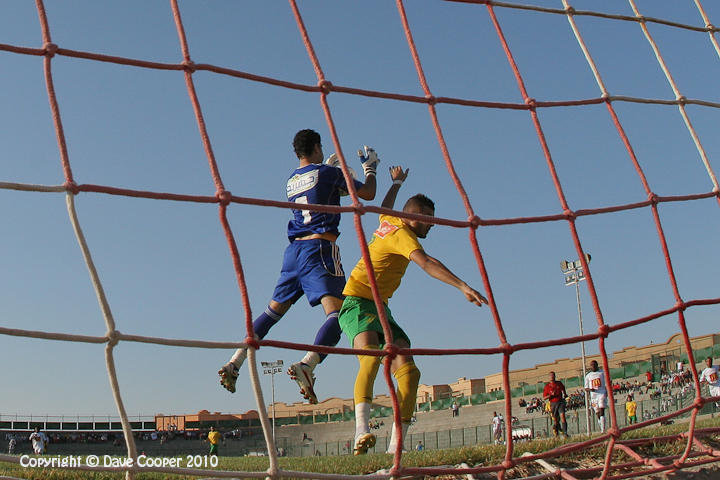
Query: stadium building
(626,363)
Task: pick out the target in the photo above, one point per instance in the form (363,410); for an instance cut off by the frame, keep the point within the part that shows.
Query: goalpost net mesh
(695,453)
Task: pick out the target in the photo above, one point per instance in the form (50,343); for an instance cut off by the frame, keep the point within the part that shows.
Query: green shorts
(360,315)
(213,449)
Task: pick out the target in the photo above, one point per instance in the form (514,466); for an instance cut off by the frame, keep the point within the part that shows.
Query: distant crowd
(666,385)
(574,401)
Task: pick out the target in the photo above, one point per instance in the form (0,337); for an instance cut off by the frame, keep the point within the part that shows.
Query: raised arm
(369,160)
(398,177)
(367,191)
(436,269)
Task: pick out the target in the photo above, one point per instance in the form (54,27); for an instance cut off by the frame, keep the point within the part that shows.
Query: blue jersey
(320,184)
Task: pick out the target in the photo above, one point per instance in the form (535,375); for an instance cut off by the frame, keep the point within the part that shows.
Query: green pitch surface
(482,455)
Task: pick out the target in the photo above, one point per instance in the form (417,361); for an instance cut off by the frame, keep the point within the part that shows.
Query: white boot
(364,440)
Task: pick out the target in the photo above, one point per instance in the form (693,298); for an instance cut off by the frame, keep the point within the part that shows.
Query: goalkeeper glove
(369,160)
(333,160)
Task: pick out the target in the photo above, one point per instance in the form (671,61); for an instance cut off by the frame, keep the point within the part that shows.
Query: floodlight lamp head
(564,265)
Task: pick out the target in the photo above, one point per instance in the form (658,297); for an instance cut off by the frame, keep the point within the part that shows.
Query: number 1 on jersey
(307,214)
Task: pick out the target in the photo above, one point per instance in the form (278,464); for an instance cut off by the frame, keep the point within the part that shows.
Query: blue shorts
(312,268)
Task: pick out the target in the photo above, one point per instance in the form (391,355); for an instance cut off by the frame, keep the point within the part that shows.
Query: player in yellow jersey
(394,245)
(214,440)
(631,409)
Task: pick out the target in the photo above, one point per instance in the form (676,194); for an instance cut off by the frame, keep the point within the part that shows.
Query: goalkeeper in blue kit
(311,263)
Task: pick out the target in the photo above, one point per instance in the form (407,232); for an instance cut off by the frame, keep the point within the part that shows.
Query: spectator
(656,393)
(420,447)
(455,409)
(11,445)
(497,422)
(710,376)
(535,404)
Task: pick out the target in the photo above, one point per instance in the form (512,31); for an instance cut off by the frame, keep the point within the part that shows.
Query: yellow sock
(365,379)
(408,379)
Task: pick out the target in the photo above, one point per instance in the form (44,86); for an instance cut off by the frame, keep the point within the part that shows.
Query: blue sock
(329,333)
(265,321)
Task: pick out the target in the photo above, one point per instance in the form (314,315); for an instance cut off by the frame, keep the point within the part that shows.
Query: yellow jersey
(214,437)
(631,408)
(390,250)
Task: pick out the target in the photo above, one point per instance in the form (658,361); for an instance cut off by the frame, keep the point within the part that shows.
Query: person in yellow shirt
(393,246)
(631,409)
(214,439)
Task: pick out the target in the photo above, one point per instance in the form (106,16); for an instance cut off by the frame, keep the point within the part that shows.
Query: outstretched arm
(398,177)
(369,160)
(367,191)
(436,269)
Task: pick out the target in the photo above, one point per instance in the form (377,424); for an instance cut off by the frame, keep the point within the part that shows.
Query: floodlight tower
(272,368)
(574,274)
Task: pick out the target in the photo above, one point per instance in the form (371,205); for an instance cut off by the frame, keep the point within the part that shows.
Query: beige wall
(177,422)
(329,406)
(429,393)
(466,387)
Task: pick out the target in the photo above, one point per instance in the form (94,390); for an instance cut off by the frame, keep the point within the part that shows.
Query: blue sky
(166,267)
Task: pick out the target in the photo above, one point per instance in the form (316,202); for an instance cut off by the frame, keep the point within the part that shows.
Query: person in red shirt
(555,393)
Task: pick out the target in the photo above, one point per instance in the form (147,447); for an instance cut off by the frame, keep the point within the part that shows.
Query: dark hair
(305,141)
(420,201)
